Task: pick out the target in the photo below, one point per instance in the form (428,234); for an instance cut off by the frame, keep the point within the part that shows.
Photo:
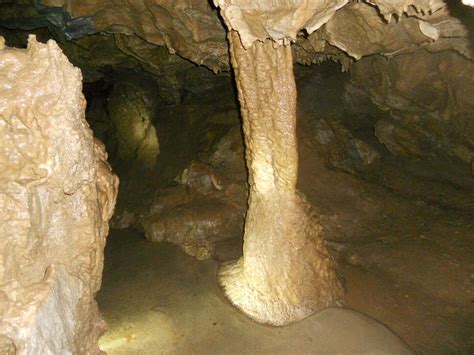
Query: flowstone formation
(57,194)
(286,272)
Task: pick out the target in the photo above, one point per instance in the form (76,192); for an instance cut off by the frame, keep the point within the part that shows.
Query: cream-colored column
(285,273)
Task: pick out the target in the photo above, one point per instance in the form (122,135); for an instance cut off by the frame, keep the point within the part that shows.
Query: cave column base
(286,273)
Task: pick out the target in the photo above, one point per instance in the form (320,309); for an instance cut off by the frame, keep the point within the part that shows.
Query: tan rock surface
(280,20)
(285,273)
(56,195)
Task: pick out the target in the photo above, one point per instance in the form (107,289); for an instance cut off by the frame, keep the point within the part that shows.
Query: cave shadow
(465,14)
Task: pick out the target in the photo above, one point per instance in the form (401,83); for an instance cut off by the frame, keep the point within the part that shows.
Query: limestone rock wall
(131,108)
(418,70)
(57,193)
(429,100)
(358,30)
(191,29)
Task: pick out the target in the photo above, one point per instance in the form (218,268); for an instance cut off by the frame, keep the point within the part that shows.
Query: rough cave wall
(57,194)
(131,109)
(343,31)
(429,100)
(423,77)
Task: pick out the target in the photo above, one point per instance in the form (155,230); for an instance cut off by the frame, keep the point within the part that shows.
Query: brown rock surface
(429,100)
(204,212)
(191,29)
(57,193)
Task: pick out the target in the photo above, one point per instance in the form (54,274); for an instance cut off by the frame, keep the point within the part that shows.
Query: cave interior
(193,106)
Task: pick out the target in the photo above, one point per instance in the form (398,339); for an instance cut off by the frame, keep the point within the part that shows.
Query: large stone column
(285,273)
(57,194)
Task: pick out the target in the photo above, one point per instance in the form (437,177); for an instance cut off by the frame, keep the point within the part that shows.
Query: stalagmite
(285,273)
(57,194)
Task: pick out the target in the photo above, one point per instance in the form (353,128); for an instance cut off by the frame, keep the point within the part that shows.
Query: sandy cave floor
(158,300)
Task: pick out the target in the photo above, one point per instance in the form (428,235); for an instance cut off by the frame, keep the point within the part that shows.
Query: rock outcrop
(203,210)
(428,98)
(190,29)
(57,194)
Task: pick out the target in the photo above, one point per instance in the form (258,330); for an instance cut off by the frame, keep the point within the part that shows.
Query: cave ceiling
(341,30)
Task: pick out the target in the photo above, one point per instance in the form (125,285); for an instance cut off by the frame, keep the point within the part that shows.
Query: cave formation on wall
(57,196)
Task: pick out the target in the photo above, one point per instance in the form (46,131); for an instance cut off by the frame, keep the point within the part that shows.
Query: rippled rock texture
(57,194)
(428,98)
(286,272)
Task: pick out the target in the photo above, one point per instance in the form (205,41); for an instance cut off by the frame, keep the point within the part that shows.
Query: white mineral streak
(57,194)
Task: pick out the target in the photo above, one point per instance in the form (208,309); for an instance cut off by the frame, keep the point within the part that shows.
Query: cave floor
(158,300)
